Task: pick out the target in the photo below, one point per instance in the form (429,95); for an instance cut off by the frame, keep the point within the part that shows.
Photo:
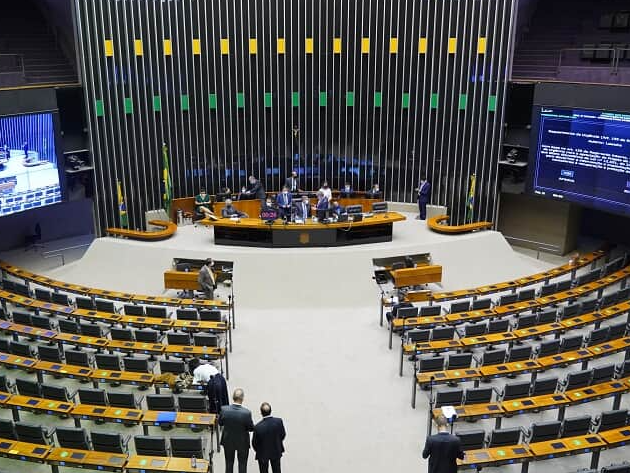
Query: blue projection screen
(582,156)
(29,176)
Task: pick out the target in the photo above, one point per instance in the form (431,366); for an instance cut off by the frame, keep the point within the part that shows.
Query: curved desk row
(437,224)
(100,343)
(255,232)
(457,318)
(94,293)
(545,276)
(514,336)
(533,366)
(97,461)
(168,229)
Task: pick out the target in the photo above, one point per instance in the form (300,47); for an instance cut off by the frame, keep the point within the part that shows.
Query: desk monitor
(379,207)
(269,215)
(323,214)
(354,209)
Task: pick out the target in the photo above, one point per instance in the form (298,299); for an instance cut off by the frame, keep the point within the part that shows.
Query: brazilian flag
(167,196)
(122,208)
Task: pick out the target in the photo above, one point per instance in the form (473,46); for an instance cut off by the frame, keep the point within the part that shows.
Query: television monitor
(354,209)
(269,215)
(379,207)
(581,156)
(29,174)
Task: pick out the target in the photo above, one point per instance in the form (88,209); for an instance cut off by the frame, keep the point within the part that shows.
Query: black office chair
(7,429)
(60,298)
(32,433)
(498,325)
(43,321)
(609,420)
(548,348)
(5,385)
(617,330)
(622,370)
(23,318)
(588,305)
(430,310)
(50,353)
(472,330)
(448,397)
(92,396)
(443,333)
(187,314)
(570,310)
(600,335)
(132,309)
(514,390)
(21,349)
(73,437)
(161,402)
(155,311)
(172,366)
(79,358)
(459,361)
(478,396)
(43,295)
(58,393)
(492,357)
(519,353)
(543,431)
(575,426)
(192,403)
(212,315)
(507,299)
(84,303)
(124,400)
(68,326)
(187,447)
(148,335)
(526,294)
(150,445)
(109,442)
(547,289)
(524,321)
(91,330)
(178,338)
(137,364)
(602,374)
(123,334)
(28,388)
(547,316)
(430,363)
(107,361)
(503,437)
(462,306)
(544,386)
(205,340)
(103,305)
(471,439)
(577,379)
(418,335)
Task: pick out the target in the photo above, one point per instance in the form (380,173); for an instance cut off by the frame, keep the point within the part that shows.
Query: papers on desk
(298,220)
(449,413)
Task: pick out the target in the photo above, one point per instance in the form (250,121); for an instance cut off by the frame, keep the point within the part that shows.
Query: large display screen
(29,176)
(582,156)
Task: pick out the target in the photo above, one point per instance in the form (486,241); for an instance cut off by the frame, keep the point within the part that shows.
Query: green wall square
(240,100)
(185,103)
(295,99)
(212,101)
(378,99)
(157,103)
(99,108)
(463,101)
(492,103)
(323,99)
(268,99)
(128,105)
(349,99)
(405,100)
(435,100)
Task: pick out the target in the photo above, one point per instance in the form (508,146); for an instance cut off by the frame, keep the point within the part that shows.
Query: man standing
(284,201)
(237,423)
(267,440)
(424,193)
(303,209)
(442,449)
(206,279)
(293,183)
(256,189)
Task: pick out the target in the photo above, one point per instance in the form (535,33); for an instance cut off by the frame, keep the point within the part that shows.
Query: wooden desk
(437,224)
(430,273)
(535,403)
(496,456)
(616,437)
(146,464)
(470,412)
(584,260)
(186,280)
(566,446)
(515,367)
(24,451)
(167,230)
(88,459)
(255,232)
(116,415)
(38,405)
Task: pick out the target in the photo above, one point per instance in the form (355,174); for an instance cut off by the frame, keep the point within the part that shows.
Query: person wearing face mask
(203,205)
(327,191)
(267,205)
(284,202)
(302,209)
(374,192)
(206,279)
(255,189)
(346,190)
(293,182)
(229,210)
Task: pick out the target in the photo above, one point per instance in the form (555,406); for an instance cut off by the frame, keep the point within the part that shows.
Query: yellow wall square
(337,45)
(225,46)
(282,46)
(308,45)
(253,46)
(422,46)
(196,47)
(393,45)
(137,44)
(481,45)
(452,45)
(365,45)
(168,47)
(109,48)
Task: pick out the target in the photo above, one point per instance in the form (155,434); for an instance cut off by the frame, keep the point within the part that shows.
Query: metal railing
(12,63)
(615,56)
(59,253)
(540,246)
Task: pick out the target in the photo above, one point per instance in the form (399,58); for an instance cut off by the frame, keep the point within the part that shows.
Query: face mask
(285,192)
(268,202)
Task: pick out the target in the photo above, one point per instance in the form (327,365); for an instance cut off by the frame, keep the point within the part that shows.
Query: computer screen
(582,156)
(29,176)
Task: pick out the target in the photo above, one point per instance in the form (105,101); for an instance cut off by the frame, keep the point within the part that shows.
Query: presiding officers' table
(254,232)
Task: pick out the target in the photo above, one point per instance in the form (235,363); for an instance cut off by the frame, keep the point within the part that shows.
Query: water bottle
(180,217)
(193,462)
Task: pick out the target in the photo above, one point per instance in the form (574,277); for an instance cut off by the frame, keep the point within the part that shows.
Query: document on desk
(449,412)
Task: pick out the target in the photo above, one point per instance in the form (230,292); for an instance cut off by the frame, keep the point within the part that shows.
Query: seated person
(230,211)
(346,190)
(268,206)
(302,209)
(284,201)
(224,193)
(373,193)
(203,205)
(337,209)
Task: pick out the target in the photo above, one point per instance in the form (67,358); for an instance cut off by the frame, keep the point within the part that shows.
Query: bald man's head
(238,396)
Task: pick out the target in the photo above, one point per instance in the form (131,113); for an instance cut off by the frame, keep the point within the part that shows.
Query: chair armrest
(125,442)
(498,391)
(72,395)
(477,360)
(138,401)
(49,433)
(526,433)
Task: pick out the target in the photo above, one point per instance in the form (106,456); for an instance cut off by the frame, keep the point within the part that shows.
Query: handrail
(59,252)
(615,56)
(541,245)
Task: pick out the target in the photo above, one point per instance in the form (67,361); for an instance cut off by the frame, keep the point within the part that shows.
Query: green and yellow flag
(470,204)
(122,208)
(167,195)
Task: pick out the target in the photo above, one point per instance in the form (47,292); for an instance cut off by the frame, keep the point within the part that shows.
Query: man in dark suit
(373,193)
(303,209)
(424,194)
(237,424)
(284,201)
(442,449)
(293,183)
(255,189)
(267,440)
(230,211)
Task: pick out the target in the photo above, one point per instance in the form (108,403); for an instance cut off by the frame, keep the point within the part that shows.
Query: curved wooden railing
(168,230)
(437,224)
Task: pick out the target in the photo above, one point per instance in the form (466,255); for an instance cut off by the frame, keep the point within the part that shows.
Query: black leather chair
(178,338)
(110,442)
(430,363)
(506,299)
(125,400)
(148,335)
(478,395)
(58,393)
(544,386)
(574,426)
(79,358)
(418,335)
(192,403)
(519,353)
(603,373)
(515,390)
(161,402)
(7,429)
(609,420)
(202,339)
(461,306)
(212,315)
(92,396)
(459,360)
(448,397)
(430,310)
(108,361)
(124,334)
(471,439)
(150,445)
(526,294)
(543,431)
(60,298)
(42,321)
(84,303)
(443,333)
(73,437)
(172,366)
(132,309)
(155,311)
(503,437)
(577,379)
(68,326)
(480,304)
(31,433)
(103,305)
(187,314)
(187,447)
(50,353)
(492,357)
(28,388)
